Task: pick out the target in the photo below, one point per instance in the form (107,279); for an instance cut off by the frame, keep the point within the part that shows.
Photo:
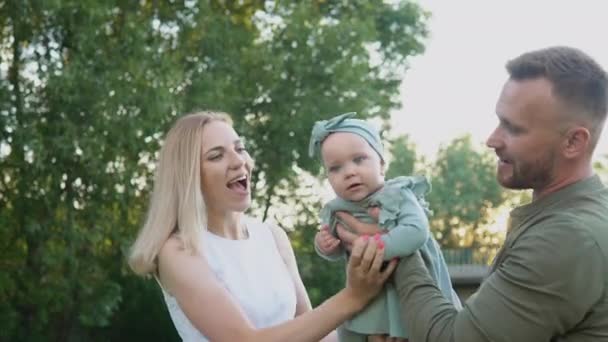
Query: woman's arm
(212,311)
(284,247)
(303,302)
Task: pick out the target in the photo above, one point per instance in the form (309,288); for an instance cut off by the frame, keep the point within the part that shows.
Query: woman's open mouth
(239,184)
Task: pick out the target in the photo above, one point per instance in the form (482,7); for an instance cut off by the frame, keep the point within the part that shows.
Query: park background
(87,89)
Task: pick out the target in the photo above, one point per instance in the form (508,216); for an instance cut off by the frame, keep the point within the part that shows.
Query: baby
(352,154)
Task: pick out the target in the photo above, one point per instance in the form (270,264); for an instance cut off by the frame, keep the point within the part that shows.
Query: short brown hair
(577,79)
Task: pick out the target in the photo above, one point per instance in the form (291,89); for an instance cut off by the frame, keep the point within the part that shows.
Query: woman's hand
(364,277)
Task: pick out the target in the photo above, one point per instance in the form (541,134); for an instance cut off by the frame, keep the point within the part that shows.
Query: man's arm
(545,286)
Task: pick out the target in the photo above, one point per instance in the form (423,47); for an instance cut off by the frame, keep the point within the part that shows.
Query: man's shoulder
(568,233)
(586,214)
(588,202)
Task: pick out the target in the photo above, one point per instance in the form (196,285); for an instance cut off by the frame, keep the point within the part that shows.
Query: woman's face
(225,169)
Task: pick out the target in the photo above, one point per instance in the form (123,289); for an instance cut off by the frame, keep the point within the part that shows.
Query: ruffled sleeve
(394,197)
(403,214)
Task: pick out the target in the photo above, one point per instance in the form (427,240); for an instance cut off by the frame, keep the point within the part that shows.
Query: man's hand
(327,243)
(359,228)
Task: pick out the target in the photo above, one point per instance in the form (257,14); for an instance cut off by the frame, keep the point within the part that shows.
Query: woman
(209,257)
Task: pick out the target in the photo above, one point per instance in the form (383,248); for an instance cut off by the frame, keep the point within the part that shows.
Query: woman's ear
(577,142)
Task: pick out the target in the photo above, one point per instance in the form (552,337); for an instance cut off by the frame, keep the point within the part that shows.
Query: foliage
(404,158)
(464,194)
(601,167)
(87,89)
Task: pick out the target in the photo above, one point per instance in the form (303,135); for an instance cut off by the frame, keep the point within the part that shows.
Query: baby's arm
(328,246)
(411,231)
(325,242)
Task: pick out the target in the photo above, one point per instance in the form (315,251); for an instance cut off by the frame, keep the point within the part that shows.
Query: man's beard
(532,175)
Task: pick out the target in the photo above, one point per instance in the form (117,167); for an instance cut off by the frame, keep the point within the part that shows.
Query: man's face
(527,139)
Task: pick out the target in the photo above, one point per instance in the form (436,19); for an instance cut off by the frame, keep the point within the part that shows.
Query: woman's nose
(237,160)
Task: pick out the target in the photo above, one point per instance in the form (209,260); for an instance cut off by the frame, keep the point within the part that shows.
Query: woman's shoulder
(259,227)
(252,221)
(174,251)
(177,264)
(278,234)
(172,246)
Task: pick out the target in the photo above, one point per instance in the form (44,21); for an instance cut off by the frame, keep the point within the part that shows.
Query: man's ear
(577,142)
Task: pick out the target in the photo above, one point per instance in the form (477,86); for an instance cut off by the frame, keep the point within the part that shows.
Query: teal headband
(343,123)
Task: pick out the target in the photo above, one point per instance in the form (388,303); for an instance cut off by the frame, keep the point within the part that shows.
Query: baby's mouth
(353,186)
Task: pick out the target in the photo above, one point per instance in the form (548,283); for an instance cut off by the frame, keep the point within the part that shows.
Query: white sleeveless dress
(253,272)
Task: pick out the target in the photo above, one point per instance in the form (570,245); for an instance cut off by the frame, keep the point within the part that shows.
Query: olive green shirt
(549,282)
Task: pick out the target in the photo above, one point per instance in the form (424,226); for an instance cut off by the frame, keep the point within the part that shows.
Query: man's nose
(495,139)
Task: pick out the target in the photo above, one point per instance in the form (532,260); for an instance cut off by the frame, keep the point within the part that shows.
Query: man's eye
(514,130)
(511,128)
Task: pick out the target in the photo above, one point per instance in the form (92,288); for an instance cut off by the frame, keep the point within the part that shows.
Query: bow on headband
(343,123)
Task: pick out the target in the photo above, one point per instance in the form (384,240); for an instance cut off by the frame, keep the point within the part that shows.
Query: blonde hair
(177,204)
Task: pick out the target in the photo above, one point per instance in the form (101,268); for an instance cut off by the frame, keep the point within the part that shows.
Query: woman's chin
(242,206)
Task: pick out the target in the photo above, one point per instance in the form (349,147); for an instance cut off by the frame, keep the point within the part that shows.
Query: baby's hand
(327,243)
(374,212)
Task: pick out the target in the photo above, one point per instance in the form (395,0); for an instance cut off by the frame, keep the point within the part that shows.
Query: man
(549,282)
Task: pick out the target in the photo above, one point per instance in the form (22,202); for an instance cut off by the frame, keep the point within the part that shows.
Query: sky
(451,89)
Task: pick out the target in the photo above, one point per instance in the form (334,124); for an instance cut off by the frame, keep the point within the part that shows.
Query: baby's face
(353,168)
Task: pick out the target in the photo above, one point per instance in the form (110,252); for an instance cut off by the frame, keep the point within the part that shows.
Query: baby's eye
(359,159)
(334,168)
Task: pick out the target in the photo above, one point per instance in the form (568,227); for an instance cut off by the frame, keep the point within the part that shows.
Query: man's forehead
(525,96)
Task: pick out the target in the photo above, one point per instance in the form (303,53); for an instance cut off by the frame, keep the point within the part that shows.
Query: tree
(464,194)
(88,91)
(601,167)
(79,124)
(404,158)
